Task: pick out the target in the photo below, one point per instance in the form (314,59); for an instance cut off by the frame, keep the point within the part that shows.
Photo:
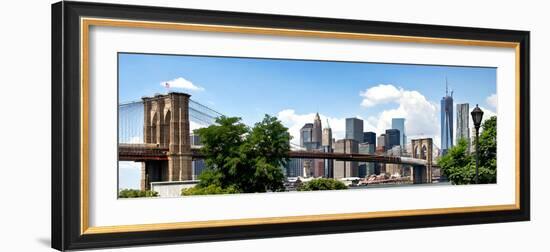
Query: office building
(366,169)
(327,136)
(381,143)
(369,137)
(294,167)
(328,164)
(354,129)
(394,169)
(462,120)
(316,132)
(318,168)
(446,121)
(306,136)
(399,123)
(393,138)
(344,169)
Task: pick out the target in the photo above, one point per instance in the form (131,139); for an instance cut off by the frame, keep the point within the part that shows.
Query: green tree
(266,148)
(459,164)
(488,143)
(221,146)
(240,159)
(322,184)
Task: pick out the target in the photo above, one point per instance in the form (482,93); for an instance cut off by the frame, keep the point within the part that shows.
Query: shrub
(133,193)
(322,184)
(210,189)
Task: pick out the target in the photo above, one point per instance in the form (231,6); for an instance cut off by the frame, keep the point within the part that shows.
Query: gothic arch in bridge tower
(155,123)
(166,128)
(423,153)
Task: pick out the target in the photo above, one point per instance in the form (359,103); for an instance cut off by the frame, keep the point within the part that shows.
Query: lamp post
(477,115)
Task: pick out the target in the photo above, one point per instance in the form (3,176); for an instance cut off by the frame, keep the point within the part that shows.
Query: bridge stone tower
(166,125)
(422,149)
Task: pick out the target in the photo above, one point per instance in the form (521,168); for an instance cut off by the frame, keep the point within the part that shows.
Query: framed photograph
(180,125)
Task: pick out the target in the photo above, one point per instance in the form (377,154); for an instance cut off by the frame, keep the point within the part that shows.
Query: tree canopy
(243,159)
(459,163)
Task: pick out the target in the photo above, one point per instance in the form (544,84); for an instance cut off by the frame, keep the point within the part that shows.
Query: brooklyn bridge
(155,131)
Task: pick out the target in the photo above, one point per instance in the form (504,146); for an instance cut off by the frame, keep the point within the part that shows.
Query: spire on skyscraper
(446,86)
(317,131)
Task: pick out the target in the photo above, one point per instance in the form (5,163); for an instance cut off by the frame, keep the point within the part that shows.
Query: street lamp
(477,115)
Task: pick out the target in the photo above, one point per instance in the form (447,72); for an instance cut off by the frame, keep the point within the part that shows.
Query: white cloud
(182,83)
(421,116)
(294,122)
(380,94)
(492,101)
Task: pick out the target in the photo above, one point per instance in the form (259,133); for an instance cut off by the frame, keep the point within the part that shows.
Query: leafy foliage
(459,164)
(322,184)
(265,148)
(133,193)
(240,159)
(210,189)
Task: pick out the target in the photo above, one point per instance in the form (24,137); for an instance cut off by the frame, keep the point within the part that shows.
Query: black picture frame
(66,125)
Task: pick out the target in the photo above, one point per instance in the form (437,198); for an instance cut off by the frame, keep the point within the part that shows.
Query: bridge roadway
(152,152)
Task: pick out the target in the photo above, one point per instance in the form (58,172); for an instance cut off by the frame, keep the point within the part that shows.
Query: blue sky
(294,90)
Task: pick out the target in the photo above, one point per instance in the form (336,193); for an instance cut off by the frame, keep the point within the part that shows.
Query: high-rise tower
(327,136)
(354,129)
(462,120)
(328,164)
(446,120)
(393,138)
(306,136)
(399,123)
(316,136)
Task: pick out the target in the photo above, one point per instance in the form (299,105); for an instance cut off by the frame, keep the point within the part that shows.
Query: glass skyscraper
(354,129)
(446,122)
(306,136)
(399,124)
(369,137)
(393,138)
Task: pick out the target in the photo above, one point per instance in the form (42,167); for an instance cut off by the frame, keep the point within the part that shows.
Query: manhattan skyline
(295,90)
